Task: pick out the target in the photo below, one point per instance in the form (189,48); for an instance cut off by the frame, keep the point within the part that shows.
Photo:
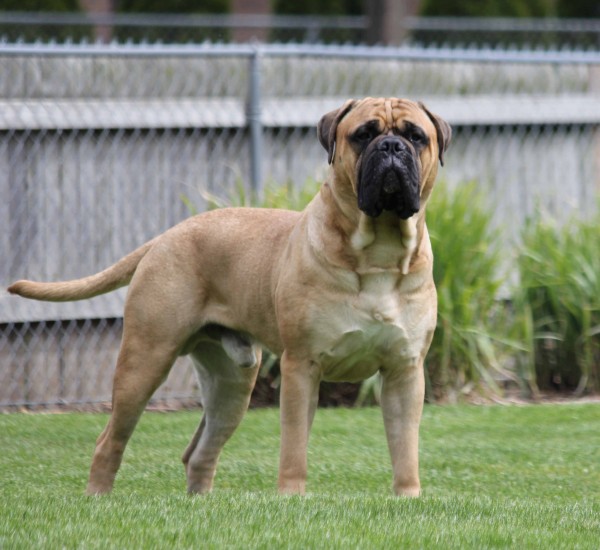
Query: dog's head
(385,151)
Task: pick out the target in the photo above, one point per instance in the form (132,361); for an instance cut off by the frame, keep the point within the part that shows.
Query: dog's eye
(363,135)
(416,136)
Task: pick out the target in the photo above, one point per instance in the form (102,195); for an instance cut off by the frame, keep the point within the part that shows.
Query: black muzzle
(389,178)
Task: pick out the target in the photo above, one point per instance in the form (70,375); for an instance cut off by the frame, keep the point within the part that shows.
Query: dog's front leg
(402,397)
(298,401)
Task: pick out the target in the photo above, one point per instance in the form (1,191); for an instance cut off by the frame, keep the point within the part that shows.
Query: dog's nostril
(390,145)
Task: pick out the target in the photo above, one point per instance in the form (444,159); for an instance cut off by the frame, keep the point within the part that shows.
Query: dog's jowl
(339,291)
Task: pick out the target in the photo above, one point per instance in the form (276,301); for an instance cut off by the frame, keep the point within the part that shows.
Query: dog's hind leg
(226,388)
(141,367)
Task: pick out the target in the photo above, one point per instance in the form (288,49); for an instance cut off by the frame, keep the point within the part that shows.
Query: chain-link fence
(103,147)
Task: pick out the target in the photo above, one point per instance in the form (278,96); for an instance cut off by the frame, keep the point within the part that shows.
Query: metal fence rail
(104,147)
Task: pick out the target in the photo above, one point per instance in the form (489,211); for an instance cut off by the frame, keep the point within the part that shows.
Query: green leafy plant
(559,298)
(467,269)
(466,347)
(545,335)
(288,196)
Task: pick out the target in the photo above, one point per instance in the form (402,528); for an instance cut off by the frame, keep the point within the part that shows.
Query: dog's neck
(364,244)
(364,240)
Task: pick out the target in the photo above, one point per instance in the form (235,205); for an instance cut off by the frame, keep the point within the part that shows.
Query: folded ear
(443,131)
(327,127)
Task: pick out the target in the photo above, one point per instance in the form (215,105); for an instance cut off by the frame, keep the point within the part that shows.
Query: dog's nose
(390,144)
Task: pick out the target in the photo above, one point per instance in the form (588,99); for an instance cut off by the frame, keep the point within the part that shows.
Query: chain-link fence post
(254,122)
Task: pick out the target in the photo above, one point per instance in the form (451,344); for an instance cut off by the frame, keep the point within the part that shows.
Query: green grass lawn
(493,477)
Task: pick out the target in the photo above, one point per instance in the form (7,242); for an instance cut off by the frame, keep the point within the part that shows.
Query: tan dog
(340,291)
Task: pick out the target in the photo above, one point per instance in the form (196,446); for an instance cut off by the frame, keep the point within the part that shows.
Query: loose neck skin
(364,244)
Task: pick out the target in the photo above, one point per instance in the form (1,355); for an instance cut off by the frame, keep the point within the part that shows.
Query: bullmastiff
(339,291)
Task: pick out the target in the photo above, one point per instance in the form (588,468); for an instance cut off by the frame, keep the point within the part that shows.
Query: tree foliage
(489,8)
(511,8)
(174,6)
(578,8)
(461,8)
(318,7)
(37,5)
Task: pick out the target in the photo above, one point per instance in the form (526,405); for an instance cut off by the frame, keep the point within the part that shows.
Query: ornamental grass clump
(560,302)
(468,343)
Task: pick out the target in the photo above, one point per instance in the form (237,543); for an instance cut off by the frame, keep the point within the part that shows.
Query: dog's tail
(116,276)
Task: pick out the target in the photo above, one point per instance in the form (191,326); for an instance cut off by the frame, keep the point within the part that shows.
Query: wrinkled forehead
(389,113)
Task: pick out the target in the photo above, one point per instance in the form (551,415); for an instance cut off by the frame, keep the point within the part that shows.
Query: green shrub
(559,301)
(490,8)
(465,348)
(35,5)
(290,197)
(467,269)
(546,336)
(174,6)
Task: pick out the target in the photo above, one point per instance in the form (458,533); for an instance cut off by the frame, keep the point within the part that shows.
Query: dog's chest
(384,325)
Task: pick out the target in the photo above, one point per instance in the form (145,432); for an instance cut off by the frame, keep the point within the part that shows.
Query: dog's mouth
(389,183)
(396,197)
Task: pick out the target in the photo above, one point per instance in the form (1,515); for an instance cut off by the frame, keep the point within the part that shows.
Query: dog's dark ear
(327,127)
(443,131)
